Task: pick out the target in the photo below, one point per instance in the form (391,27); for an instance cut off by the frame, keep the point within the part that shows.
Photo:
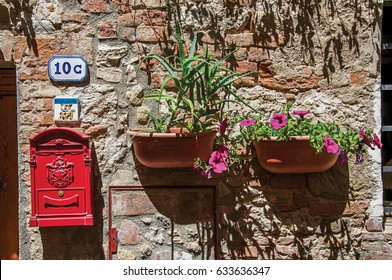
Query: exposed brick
(210,38)
(355,207)
(75,17)
(129,34)
(129,233)
(243,67)
(155,18)
(241,54)
(132,204)
(245,82)
(151,34)
(358,78)
(373,236)
(107,30)
(299,83)
(149,18)
(122,6)
(270,42)
(130,19)
(326,208)
(242,40)
(95,6)
(36,74)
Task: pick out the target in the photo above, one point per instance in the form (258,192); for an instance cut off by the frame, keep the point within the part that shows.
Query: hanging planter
(292,156)
(171,150)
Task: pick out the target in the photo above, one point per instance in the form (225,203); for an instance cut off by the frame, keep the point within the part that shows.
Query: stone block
(240,40)
(298,83)
(95,6)
(132,204)
(151,34)
(110,74)
(358,78)
(327,208)
(107,30)
(288,181)
(256,54)
(374,224)
(122,6)
(129,233)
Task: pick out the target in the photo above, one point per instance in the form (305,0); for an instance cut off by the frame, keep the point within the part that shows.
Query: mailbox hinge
(113,240)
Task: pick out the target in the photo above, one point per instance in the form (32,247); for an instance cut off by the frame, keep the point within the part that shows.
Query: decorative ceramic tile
(66,109)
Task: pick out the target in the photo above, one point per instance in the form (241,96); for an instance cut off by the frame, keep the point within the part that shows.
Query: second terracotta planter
(172,150)
(293,156)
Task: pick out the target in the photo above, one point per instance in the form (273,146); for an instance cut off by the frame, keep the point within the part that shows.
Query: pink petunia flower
(223,126)
(359,159)
(278,121)
(247,123)
(377,141)
(365,139)
(342,157)
(218,160)
(301,113)
(330,146)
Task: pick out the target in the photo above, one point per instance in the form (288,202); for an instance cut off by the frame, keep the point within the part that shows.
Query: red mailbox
(61,191)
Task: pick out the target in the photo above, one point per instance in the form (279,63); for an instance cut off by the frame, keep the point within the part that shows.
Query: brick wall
(327,63)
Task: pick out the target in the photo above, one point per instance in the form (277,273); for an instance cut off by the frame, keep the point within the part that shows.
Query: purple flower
(377,141)
(278,121)
(342,157)
(359,159)
(301,113)
(218,160)
(247,123)
(223,126)
(365,139)
(330,146)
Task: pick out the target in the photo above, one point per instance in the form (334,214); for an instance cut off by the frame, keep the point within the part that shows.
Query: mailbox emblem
(60,172)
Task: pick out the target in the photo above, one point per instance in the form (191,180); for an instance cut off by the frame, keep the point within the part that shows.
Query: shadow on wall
(16,16)
(285,216)
(78,242)
(317,27)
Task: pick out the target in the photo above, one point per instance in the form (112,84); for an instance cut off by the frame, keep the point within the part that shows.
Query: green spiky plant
(199,78)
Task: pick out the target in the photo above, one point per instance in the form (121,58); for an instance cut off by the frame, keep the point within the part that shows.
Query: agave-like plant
(199,78)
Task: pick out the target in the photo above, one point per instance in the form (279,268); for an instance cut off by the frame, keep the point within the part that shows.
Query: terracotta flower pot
(293,156)
(170,150)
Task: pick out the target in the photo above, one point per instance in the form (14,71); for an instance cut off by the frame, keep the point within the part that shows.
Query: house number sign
(67,69)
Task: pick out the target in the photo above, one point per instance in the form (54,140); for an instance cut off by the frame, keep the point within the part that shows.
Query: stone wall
(325,54)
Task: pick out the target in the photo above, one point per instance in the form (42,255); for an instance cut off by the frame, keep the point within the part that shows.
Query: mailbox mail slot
(61,191)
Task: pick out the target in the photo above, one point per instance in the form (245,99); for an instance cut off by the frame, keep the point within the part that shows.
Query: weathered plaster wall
(325,54)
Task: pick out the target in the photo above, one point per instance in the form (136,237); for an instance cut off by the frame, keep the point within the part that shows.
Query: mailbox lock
(60,193)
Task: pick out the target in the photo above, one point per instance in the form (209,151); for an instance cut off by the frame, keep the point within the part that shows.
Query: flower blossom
(359,158)
(330,146)
(247,123)
(223,126)
(377,141)
(301,113)
(342,157)
(365,139)
(278,121)
(218,160)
